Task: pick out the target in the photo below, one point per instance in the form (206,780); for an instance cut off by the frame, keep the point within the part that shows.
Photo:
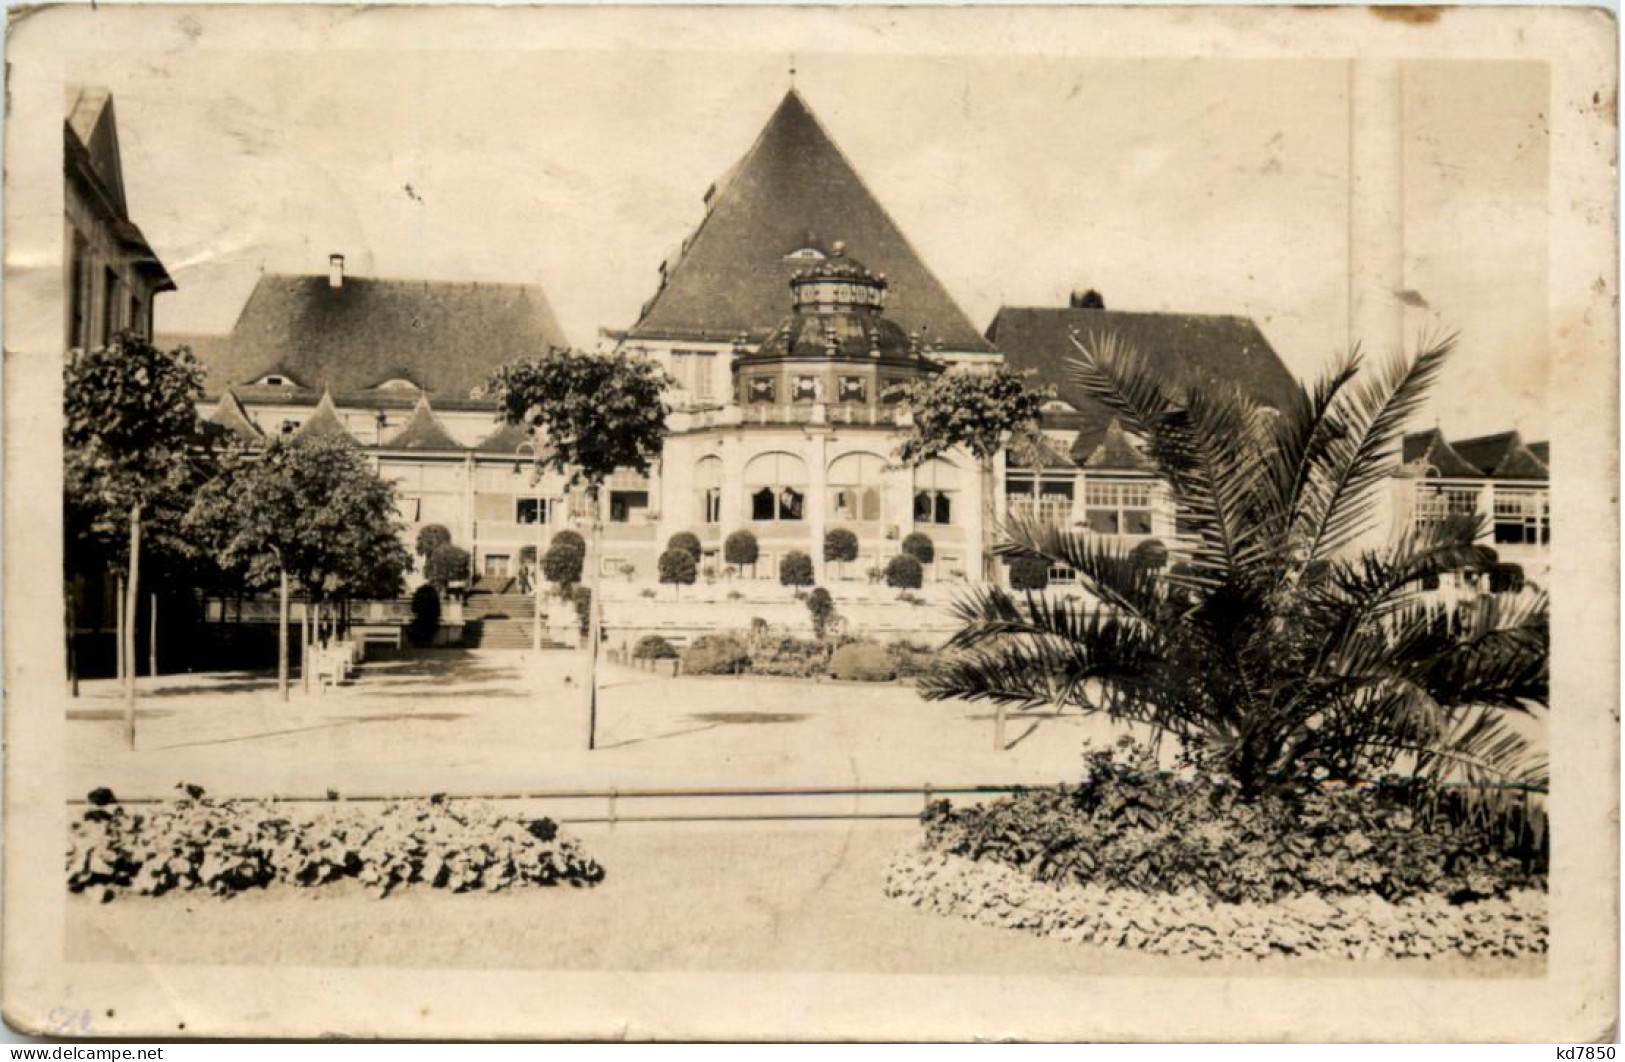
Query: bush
(796,569)
(446,565)
(686,541)
(862,662)
(1029,573)
(903,572)
(425,616)
(562,562)
(911,661)
(430,537)
(653,647)
(715,654)
(786,657)
(740,549)
(840,545)
(821,607)
(919,546)
(1130,826)
(233,845)
(678,567)
(1506,578)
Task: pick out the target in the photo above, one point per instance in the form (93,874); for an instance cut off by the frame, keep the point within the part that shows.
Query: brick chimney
(335,271)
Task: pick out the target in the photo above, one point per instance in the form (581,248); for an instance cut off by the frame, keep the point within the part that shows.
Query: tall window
(531,511)
(854,482)
(79,295)
(112,303)
(936,484)
(1117,507)
(708,487)
(1522,516)
(777,484)
(693,371)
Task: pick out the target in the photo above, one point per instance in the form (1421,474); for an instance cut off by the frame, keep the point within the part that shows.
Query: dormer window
(397,383)
(805,254)
(276,379)
(1058,405)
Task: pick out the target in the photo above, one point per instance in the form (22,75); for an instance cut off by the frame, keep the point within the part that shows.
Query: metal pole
(131,607)
(536,583)
(281,638)
(152,639)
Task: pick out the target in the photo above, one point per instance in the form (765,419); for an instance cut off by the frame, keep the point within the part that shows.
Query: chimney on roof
(335,271)
(1087,299)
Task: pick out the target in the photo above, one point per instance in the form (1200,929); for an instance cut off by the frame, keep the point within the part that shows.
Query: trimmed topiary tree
(740,550)
(562,562)
(904,573)
(425,616)
(653,647)
(919,546)
(1149,555)
(796,569)
(431,537)
(678,567)
(715,654)
(688,542)
(1029,573)
(446,565)
(840,546)
(822,609)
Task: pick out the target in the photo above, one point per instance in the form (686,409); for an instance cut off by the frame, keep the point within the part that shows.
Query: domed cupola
(836,345)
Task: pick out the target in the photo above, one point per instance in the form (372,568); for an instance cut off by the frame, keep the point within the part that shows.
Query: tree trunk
(73,636)
(281,636)
(132,604)
(304,645)
(152,638)
(118,631)
(594,621)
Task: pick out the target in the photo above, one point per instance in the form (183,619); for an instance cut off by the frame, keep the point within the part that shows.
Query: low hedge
(229,846)
(1132,826)
(862,662)
(715,654)
(1190,924)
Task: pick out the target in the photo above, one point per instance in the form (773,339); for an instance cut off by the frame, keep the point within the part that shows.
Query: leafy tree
(425,615)
(974,411)
(1279,647)
(840,546)
(821,608)
(687,541)
(1149,554)
(904,573)
(129,431)
(562,562)
(311,512)
(446,565)
(1029,573)
(596,413)
(740,550)
(917,544)
(796,569)
(430,538)
(678,568)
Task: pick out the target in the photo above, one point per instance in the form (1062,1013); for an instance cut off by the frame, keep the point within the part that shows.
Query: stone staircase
(501,621)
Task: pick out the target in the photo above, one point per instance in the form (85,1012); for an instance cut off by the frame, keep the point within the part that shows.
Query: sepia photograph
(807,523)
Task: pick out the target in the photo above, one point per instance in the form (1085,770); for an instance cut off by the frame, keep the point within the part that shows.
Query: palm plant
(1277,645)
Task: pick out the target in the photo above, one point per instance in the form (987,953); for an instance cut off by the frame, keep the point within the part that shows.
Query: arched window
(708,488)
(777,485)
(854,482)
(936,484)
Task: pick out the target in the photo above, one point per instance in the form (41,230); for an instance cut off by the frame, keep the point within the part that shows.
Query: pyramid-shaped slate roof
(792,191)
(325,422)
(1429,449)
(423,431)
(233,420)
(1502,456)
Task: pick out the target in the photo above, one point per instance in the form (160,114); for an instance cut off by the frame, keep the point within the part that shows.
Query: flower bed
(228,846)
(1360,926)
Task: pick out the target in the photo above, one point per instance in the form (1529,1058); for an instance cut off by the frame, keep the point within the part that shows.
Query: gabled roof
(792,191)
(1111,450)
(423,431)
(92,163)
(1502,456)
(1188,351)
(1425,450)
(230,416)
(447,337)
(325,422)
